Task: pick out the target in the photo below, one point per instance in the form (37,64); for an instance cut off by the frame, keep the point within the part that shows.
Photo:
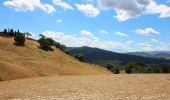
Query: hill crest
(30,61)
(103,57)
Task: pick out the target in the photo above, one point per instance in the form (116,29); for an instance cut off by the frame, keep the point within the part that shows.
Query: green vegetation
(116,70)
(103,57)
(128,70)
(138,67)
(46,43)
(112,68)
(109,66)
(153,54)
(112,60)
(19,39)
(18,36)
(80,57)
(34,62)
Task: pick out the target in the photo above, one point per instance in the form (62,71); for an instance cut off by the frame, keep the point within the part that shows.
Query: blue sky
(116,25)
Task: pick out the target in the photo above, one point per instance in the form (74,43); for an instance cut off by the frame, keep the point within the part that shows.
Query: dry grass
(29,61)
(89,87)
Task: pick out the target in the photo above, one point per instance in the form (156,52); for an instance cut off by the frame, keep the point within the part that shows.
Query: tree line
(45,43)
(139,67)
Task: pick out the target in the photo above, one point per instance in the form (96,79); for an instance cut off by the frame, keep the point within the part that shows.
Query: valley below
(88,87)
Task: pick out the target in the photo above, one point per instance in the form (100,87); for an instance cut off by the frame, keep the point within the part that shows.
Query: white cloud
(121,34)
(134,8)
(86,33)
(130,42)
(83,40)
(59,20)
(154,40)
(47,8)
(147,31)
(62,4)
(154,8)
(124,10)
(161,46)
(145,46)
(88,9)
(29,5)
(103,31)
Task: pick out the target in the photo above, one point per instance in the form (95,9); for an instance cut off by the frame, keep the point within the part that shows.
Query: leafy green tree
(63,47)
(128,69)
(51,41)
(109,66)
(18,31)
(5,31)
(19,39)
(80,57)
(116,70)
(42,36)
(57,44)
(11,32)
(166,69)
(135,67)
(46,43)
(156,69)
(28,35)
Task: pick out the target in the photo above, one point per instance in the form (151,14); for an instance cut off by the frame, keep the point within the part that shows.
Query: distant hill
(153,54)
(103,57)
(30,61)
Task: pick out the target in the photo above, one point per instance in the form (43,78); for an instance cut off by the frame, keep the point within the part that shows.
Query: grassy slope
(29,61)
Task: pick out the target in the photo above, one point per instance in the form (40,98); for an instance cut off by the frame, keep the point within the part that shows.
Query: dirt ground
(86,87)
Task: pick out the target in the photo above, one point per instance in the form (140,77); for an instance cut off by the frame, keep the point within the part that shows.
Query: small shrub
(109,66)
(19,39)
(80,57)
(57,44)
(63,47)
(46,43)
(116,70)
(128,70)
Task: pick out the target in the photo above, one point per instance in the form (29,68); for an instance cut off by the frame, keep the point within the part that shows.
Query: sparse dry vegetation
(30,61)
(89,87)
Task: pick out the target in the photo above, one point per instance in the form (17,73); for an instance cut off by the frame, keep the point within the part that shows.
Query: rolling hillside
(30,61)
(103,57)
(152,54)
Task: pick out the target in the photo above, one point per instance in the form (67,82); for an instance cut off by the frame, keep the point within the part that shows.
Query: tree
(18,31)
(5,31)
(11,32)
(109,66)
(63,47)
(80,57)
(42,36)
(19,39)
(57,45)
(46,43)
(28,35)
(128,69)
(116,70)
(51,41)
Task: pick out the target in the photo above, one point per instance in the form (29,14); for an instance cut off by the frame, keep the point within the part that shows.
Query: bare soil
(89,87)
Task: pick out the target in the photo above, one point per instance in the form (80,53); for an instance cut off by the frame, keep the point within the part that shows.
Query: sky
(115,25)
